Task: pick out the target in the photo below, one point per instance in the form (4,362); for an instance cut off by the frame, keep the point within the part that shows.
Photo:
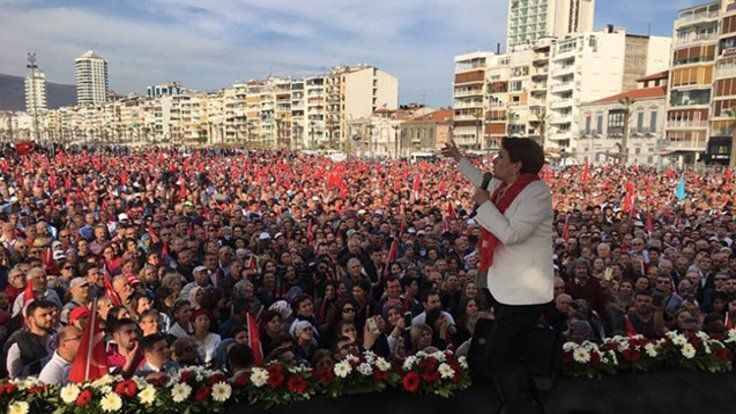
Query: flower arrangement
(636,353)
(199,390)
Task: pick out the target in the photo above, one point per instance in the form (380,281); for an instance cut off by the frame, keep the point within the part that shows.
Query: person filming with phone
(514,211)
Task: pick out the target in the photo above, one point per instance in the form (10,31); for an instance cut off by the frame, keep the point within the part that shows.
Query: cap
(77,282)
(350,232)
(298,326)
(123,217)
(264,236)
(361,212)
(78,313)
(276,237)
(199,269)
(133,280)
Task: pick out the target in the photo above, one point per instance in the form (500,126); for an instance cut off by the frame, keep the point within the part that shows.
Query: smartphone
(407,320)
(372,325)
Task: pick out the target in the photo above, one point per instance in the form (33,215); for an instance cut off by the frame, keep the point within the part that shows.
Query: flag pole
(91,340)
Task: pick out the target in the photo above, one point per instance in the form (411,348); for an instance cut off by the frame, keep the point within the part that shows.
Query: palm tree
(627,103)
(731,114)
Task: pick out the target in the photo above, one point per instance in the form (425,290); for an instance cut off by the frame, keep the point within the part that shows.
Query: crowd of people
(198,257)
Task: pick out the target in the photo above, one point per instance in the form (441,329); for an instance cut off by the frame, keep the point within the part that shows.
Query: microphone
(487,177)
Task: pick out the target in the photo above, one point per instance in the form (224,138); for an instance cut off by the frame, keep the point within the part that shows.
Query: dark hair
(118,324)
(425,295)
(240,356)
(38,304)
(147,342)
(526,151)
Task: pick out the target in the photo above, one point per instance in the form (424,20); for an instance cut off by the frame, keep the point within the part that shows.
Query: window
(640,122)
(599,128)
(637,151)
(587,124)
(615,121)
(653,121)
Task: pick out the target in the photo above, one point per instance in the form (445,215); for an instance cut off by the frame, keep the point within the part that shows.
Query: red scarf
(489,242)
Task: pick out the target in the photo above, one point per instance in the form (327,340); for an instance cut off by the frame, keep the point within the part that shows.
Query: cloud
(209,44)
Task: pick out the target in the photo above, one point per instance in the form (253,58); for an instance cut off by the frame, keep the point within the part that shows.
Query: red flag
(90,363)
(310,233)
(110,292)
(628,203)
(254,338)
(727,175)
(585,177)
(393,252)
(566,229)
(416,186)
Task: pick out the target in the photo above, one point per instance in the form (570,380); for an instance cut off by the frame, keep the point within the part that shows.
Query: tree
(731,114)
(627,103)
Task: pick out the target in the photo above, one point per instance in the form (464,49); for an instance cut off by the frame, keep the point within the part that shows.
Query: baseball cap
(199,269)
(123,217)
(264,236)
(78,313)
(77,282)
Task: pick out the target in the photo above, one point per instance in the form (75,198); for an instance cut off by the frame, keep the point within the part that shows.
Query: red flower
(84,398)
(185,376)
(202,394)
(275,376)
(37,389)
(296,384)
(7,388)
(380,376)
(324,375)
(724,354)
(127,388)
(430,377)
(159,380)
(428,365)
(595,358)
(241,380)
(215,378)
(631,355)
(567,357)
(411,381)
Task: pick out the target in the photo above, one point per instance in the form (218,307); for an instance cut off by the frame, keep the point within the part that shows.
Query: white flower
(439,356)
(420,354)
(651,350)
(369,356)
(731,335)
(688,351)
(409,362)
(581,355)
(105,389)
(382,364)
(446,371)
(569,346)
(105,380)
(365,369)
(18,407)
(180,392)
(69,393)
(221,391)
(679,340)
(343,369)
(147,395)
(111,402)
(702,335)
(259,377)
(463,362)
(352,358)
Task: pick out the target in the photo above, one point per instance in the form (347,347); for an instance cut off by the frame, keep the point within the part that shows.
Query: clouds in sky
(209,44)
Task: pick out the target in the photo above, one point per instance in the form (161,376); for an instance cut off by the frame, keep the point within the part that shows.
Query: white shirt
(56,371)
(207,346)
(522,272)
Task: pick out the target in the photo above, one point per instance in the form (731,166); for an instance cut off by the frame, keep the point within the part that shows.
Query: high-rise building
(468,103)
(91,78)
(35,85)
(164,89)
(530,20)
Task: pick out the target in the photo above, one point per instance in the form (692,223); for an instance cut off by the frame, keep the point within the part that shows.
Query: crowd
(227,258)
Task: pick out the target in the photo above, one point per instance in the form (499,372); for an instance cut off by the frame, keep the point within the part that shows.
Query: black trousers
(510,346)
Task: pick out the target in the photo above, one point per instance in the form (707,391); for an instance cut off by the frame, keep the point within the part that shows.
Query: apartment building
(602,122)
(90,71)
(468,97)
(531,20)
(585,67)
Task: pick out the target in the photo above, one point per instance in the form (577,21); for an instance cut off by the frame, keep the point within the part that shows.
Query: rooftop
(635,95)
(654,76)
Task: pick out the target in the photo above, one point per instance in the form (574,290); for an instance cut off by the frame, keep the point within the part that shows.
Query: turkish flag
(566,229)
(90,363)
(254,338)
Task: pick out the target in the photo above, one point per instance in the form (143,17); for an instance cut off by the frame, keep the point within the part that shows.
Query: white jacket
(522,272)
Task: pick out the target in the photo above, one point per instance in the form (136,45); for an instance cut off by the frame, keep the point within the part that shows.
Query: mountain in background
(12,94)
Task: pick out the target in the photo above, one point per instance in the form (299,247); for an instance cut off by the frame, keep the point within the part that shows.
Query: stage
(662,392)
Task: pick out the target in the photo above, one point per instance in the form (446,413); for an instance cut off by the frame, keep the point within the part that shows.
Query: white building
(585,67)
(468,91)
(530,20)
(91,78)
(35,85)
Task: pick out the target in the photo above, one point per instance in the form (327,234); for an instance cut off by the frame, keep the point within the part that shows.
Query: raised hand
(452,151)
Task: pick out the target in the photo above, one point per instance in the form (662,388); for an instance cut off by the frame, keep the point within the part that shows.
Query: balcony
(561,87)
(561,119)
(696,17)
(467,118)
(685,145)
(467,104)
(686,124)
(460,93)
(561,103)
(726,71)
(695,38)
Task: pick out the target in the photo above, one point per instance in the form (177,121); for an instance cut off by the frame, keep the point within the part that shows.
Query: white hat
(199,269)
(123,217)
(299,326)
(264,236)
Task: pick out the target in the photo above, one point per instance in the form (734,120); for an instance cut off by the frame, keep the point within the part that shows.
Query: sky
(210,44)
